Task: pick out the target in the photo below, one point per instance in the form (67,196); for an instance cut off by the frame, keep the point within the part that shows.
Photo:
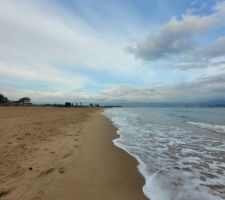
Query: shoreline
(141,166)
(87,165)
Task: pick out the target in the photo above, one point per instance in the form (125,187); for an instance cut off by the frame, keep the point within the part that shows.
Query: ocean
(181,151)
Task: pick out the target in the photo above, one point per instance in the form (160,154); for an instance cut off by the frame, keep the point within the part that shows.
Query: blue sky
(130,50)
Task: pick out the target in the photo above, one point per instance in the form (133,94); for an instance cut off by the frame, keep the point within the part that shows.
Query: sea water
(181,151)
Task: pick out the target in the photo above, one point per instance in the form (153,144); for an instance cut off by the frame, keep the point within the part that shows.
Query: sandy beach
(63,154)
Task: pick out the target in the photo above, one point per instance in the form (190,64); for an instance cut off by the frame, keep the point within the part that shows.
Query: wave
(211,127)
(176,163)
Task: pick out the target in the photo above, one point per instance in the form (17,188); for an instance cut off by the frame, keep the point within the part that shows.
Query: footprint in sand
(27,134)
(48,171)
(61,170)
(76,139)
(76,146)
(68,154)
(77,134)
(4,193)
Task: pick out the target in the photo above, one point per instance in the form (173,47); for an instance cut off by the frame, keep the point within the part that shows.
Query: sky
(130,50)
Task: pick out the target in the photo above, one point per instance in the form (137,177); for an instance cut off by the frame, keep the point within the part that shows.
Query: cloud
(208,87)
(53,78)
(126,92)
(115,92)
(30,32)
(45,42)
(211,55)
(51,53)
(177,36)
(59,96)
(220,6)
(216,49)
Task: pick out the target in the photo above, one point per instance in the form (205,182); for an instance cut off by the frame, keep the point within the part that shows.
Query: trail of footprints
(60,170)
(76,139)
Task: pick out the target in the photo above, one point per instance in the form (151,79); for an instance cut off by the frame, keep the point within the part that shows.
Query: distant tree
(91,104)
(68,104)
(76,104)
(24,100)
(3,99)
(97,105)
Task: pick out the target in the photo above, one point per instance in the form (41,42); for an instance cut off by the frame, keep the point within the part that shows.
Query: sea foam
(211,127)
(177,163)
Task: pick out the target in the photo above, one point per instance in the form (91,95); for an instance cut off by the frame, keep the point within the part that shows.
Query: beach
(63,154)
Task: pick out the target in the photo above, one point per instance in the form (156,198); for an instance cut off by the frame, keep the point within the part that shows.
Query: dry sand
(63,154)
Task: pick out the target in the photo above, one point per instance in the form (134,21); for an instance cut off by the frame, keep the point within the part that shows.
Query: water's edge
(180,153)
(141,165)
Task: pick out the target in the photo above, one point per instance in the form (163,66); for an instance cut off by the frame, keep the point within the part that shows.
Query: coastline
(86,164)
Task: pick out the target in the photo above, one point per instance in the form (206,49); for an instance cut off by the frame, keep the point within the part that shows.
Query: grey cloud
(126,92)
(191,62)
(176,37)
(217,49)
(203,56)
(205,88)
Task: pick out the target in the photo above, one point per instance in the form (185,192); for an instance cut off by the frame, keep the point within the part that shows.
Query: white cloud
(53,78)
(208,87)
(34,34)
(47,44)
(220,6)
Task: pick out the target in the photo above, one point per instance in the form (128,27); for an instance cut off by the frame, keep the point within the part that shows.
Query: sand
(63,154)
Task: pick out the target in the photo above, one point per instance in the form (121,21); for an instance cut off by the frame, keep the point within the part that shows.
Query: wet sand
(63,154)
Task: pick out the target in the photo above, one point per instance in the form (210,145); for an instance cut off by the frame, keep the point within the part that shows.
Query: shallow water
(181,151)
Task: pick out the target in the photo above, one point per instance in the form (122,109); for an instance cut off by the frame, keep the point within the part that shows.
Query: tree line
(23,100)
(27,101)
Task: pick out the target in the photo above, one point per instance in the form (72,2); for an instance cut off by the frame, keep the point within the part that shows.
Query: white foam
(187,150)
(191,159)
(212,127)
(169,159)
